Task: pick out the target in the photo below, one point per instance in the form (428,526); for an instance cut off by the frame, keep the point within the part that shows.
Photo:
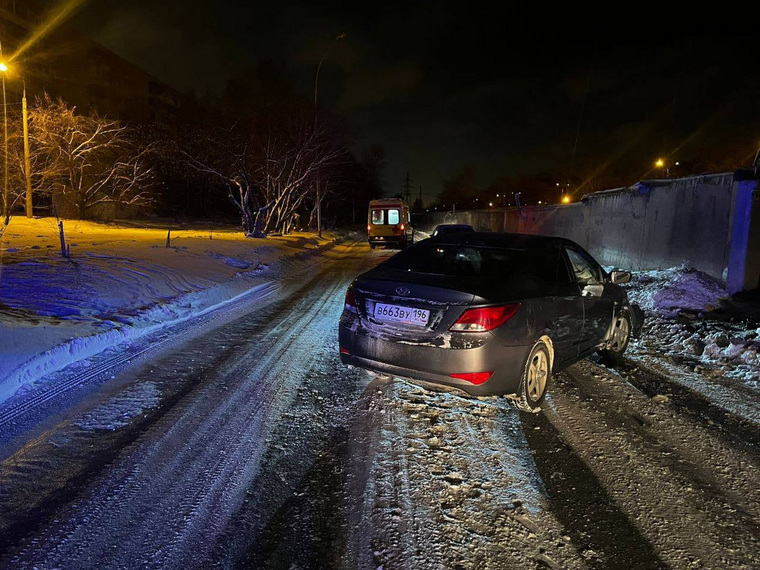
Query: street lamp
(661,165)
(316,92)
(6,207)
(319,67)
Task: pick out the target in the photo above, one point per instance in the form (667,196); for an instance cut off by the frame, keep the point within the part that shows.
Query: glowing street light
(661,165)
(3,67)
(565,199)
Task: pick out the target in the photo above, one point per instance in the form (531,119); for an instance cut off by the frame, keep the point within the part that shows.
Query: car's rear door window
(381,217)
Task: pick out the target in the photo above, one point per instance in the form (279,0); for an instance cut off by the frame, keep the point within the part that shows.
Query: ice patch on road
(120,410)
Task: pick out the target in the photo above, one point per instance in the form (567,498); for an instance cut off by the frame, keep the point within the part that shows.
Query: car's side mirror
(618,277)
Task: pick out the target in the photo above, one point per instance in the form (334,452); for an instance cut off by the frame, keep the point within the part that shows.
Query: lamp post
(316,93)
(6,208)
(27,160)
(319,67)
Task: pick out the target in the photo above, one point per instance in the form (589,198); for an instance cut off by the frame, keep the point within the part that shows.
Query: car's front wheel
(535,380)
(620,336)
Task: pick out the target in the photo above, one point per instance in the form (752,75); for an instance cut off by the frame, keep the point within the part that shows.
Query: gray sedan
(487,313)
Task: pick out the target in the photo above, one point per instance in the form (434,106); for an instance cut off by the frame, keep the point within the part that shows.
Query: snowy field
(120,282)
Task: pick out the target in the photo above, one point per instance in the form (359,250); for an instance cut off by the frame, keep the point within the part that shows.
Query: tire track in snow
(446,481)
(166,500)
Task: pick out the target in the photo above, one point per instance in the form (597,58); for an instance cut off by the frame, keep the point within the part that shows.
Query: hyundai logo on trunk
(402,291)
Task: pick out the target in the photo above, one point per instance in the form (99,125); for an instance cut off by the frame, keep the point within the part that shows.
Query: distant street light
(661,165)
(565,199)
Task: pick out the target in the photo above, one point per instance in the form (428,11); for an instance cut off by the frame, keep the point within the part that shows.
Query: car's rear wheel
(620,336)
(535,380)
(372,246)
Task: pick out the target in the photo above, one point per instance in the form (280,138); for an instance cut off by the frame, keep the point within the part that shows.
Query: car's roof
(453,226)
(494,239)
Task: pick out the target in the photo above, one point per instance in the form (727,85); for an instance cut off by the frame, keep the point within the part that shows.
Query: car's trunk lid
(386,295)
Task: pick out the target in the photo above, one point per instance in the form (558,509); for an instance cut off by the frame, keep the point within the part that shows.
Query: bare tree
(269,167)
(89,159)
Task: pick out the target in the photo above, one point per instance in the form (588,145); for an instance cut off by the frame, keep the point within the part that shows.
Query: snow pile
(687,325)
(712,348)
(666,292)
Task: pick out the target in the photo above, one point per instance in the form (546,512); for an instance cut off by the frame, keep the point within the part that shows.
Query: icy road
(240,441)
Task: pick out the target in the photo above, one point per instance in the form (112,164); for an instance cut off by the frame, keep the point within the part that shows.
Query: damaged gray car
(490,314)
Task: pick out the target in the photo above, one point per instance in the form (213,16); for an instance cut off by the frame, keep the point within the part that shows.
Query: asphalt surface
(248,445)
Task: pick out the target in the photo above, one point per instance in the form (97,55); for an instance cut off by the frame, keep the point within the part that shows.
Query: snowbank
(687,325)
(667,292)
(120,283)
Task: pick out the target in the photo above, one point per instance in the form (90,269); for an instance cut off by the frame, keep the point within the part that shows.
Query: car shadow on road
(601,532)
(307,527)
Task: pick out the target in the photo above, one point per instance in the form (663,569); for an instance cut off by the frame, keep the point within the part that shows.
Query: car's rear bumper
(381,240)
(435,364)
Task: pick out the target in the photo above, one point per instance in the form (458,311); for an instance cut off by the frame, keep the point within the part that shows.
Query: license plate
(397,314)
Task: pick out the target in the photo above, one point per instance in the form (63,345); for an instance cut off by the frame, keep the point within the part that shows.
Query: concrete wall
(709,221)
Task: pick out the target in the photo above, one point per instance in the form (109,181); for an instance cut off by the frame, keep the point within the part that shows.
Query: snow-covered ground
(121,282)
(694,332)
(250,445)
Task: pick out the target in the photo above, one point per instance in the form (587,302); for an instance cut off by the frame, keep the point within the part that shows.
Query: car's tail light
(485,318)
(351,299)
(344,351)
(403,227)
(369,228)
(473,377)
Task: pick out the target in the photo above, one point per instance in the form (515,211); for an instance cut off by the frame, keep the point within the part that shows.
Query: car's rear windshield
(382,217)
(456,260)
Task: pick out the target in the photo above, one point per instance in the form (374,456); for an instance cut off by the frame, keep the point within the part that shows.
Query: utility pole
(27,160)
(407,188)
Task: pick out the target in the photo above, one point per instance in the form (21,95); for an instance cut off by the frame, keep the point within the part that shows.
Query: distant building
(82,72)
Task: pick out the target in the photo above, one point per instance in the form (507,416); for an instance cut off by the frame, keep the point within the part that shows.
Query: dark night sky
(444,84)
